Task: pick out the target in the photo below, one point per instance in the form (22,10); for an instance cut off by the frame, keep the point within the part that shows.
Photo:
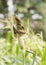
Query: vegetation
(22,41)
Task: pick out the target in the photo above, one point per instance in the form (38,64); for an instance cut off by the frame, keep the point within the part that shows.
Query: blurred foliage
(25,49)
(32,53)
(3,6)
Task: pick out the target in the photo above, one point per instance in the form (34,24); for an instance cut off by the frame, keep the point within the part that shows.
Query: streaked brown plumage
(20,26)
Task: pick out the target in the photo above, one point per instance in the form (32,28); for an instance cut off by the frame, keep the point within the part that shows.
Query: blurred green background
(23,49)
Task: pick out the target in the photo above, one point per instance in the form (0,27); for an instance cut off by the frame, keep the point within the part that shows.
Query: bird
(20,27)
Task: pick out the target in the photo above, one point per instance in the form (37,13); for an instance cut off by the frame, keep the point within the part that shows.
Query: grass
(32,53)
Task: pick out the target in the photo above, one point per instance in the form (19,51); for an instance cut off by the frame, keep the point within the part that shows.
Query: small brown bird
(20,27)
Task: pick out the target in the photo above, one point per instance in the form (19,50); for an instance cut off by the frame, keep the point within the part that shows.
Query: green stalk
(34,55)
(23,57)
(34,58)
(12,33)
